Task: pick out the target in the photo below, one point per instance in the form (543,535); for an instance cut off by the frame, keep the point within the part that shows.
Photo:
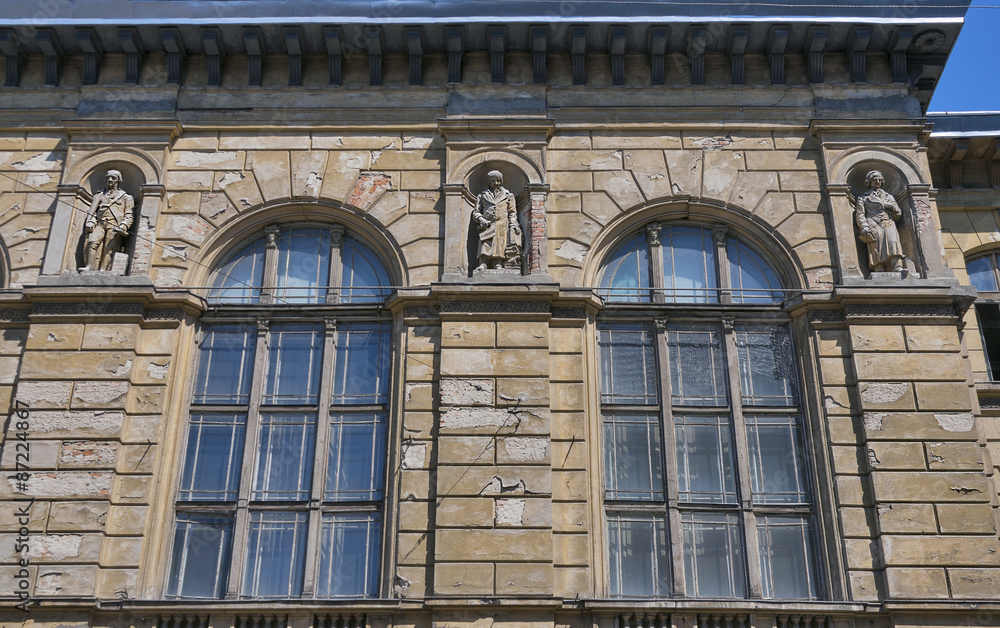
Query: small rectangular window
(786,557)
(697,366)
(777,459)
(225,365)
(639,562)
(632,457)
(704,459)
(285,456)
(276,544)
(214,455)
(713,555)
(356,463)
(200,565)
(361,372)
(628,365)
(294,355)
(767,365)
(348,551)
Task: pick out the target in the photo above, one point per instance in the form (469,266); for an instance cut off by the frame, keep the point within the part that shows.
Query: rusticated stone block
(571,549)
(974,584)
(68,580)
(66,484)
(932,338)
(89,453)
(877,338)
(953,456)
(899,426)
(524,578)
(65,423)
(950,397)
(53,337)
(966,518)
(463,578)
(126,520)
(467,391)
(930,486)
(906,518)
(941,550)
(469,512)
(522,334)
(415,485)
(100,394)
(569,581)
(423,339)
(505,480)
(889,455)
(111,581)
(923,583)
(507,545)
(862,585)
(909,366)
(466,450)
(114,337)
(478,420)
(523,449)
(468,334)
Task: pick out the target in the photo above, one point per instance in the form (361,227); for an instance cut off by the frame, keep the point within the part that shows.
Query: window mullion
(722,258)
(670,452)
(249,462)
(322,458)
(742,462)
(655,248)
(334,293)
(270,278)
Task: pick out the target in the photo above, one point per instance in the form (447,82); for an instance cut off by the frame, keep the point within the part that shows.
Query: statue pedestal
(889,275)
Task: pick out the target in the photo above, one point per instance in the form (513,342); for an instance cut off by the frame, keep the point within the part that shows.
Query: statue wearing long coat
(495,215)
(876,213)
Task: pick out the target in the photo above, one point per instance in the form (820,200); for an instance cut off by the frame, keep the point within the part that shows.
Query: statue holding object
(495,218)
(108,224)
(876,213)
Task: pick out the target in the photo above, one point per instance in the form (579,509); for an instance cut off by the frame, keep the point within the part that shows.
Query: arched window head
(683,264)
(984,275)
(301,264)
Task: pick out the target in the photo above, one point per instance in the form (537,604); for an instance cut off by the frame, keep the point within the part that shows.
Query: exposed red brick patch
(369,187)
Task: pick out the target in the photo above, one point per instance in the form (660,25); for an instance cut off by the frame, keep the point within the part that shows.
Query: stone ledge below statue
(496,276)
(93,278)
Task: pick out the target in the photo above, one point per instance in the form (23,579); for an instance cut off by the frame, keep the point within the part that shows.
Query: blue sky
(971,80)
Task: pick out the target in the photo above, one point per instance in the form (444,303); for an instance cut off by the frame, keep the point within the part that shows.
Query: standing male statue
(108,223)
(495,217)
(876,213)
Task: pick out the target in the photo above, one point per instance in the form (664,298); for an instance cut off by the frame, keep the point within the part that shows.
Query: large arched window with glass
(707,488)
(984,275)
(282,482)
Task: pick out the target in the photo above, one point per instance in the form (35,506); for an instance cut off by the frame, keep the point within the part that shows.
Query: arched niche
(524,178)
(141,178)
(896,185)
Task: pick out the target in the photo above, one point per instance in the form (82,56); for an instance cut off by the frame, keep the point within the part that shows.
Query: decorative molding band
(89,309)
(827,316)
(422,311)
(164,314)
(989,403)
(498,307)
(569,312)
(14,316)
(939,310)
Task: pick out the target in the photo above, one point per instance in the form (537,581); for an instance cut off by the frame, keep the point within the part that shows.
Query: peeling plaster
(510,512)
(414,455)
(884,392)
(572,250)
(522,449)
(956,422)
(873,420)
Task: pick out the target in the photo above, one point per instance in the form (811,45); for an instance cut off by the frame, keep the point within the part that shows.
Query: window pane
(632,457)
(348,560)
(356,464)
(276,543)
(988,315)
(200,562)
(361,374)
(753,280)
(713,555)
(697,366)
(626,274)
(777,459)
(285,456)
(364,277)
(638,552)
(786,559)
(225,364)
(293,364)
(303,265)
(689,274)
(628,364)
(767,367)
(981,274)
(239,278)
(704,459)
(214,456)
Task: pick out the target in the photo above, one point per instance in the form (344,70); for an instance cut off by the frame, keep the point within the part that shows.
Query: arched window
(985,278)
(301,264)
(282,482)
(682,264)
(707,491)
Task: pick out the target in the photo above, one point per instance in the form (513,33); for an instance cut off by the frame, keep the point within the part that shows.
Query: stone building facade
(719,375)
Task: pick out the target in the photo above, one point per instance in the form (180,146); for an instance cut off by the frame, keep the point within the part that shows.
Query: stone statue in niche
(495,218)
(107,226)
(876,213)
